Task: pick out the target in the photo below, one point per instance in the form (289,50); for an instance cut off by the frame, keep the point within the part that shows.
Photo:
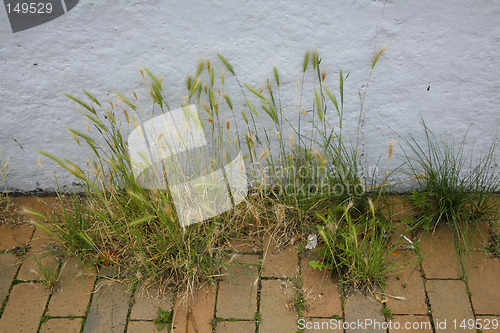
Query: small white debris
(312,242)
(411,247)
(407,239)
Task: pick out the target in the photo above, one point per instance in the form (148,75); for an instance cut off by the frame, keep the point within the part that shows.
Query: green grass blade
(228,65)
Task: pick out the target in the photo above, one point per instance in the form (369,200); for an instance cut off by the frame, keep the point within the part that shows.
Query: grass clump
(357,247)
(49,274)
(453,187)
(308,162)
(119,223)
(299,161)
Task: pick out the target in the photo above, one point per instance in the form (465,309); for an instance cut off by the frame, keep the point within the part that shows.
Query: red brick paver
(479,237)
(359,309)
(146,303)
(488,323)
(483,273)
(144,327)
(449,301)
(235,327)
(72,296)
(237,296)
(9,264)
(38,258)
(321,325)
(319,290)
(109,308)
(202,306)
(440,259)
(276,307)
(25,308)
(410,324)
(13,236)
(279,262)
(408,284)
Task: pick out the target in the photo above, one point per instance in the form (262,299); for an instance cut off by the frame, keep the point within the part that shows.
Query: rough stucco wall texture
(100,45)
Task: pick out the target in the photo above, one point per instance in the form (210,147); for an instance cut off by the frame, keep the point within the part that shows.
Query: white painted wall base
(442,63)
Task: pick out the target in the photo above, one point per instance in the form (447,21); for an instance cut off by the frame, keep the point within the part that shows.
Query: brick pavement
(436,292)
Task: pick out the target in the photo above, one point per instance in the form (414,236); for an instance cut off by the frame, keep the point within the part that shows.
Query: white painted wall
(100,45)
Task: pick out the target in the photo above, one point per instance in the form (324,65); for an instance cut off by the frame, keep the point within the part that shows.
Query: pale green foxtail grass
(137,229)
(136,225)
(329,161)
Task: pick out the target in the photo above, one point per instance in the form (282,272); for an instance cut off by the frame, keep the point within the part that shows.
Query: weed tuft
(357,248)
(49,274)
(163,318)
(453,187)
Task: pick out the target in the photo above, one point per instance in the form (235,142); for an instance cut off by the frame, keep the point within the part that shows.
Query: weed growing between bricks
(133,291)
(453,186)
(19,251)
(306,177)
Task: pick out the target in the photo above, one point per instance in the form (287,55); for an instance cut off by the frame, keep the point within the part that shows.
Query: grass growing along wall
(357,247)
(453,186)
(301,162)
(136,229)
